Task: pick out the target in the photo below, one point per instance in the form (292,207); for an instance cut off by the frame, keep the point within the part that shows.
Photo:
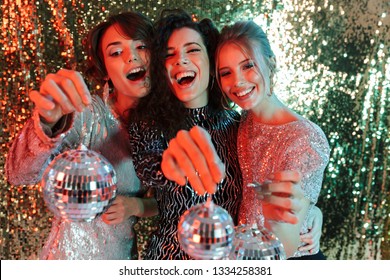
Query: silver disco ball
(253,243)
(78,185)
(206,232)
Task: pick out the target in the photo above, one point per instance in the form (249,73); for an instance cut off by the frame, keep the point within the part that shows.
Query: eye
(193,50)
(168,55)
(115,52)
(224,73)
(248,65)
(142,47)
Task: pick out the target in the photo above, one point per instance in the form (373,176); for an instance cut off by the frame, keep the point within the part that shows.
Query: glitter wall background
(334,69)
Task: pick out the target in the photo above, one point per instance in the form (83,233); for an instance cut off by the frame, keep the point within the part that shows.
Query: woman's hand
(312,238)
(191,156)
(282,196)
(121,209)
(61,93)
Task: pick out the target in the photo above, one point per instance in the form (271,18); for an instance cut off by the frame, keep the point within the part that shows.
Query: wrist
(138,206)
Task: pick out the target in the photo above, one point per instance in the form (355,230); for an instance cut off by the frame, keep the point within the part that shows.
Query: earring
(106,91)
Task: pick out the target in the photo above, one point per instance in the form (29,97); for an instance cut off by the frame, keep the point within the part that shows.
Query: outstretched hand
(191,156)
(60,93)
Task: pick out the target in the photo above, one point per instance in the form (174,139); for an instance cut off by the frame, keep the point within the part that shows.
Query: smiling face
(188,67)
(240,78)
(127,63)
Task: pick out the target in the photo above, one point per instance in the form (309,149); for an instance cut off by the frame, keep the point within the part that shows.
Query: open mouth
(245,92)
(185,78)
(136,74)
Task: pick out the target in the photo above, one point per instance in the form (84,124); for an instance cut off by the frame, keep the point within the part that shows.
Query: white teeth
(185,74)
(244,92)
(136,70)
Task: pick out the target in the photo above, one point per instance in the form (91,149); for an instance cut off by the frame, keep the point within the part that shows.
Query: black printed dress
(173,200)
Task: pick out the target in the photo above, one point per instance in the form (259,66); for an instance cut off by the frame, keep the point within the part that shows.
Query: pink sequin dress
(264,149)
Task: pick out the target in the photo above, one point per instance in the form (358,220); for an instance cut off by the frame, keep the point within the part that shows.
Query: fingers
(214,163)
(286,175)
(64,91)
(308,247)
(286,216)
(281,194)
(275,213)
(115,214)
(61,93)
(267,188)
(282,202)
(170,167)
(186,153)
(308,238)
(311,244)
(78,83)
(313,236)
(41,101)
(191,155)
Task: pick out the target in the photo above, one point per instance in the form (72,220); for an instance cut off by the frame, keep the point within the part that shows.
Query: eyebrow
(113,44)
(186,45)
(240,63)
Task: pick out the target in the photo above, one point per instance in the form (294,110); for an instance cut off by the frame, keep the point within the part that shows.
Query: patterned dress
(173,200)
(37,145)
(263,149)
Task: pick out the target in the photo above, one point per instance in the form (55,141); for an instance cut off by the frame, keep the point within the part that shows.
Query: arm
(42,138)
(308,154)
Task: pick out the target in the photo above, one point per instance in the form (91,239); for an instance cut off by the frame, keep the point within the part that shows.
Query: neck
(273,112)
(122,104)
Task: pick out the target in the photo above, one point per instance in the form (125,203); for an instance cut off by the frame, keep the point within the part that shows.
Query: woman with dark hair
(118,58)
(183,95)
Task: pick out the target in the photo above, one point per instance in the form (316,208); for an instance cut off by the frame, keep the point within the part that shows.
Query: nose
(133,56)
(238,80)
(238,83)
(182,60)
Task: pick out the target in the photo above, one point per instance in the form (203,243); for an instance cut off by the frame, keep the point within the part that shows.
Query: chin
(244,106)
(144,92)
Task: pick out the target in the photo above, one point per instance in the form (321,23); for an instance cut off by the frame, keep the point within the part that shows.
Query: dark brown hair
(161,106)
(131,25)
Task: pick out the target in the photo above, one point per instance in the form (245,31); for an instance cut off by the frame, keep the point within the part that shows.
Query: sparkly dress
(37,145)
(263,149)
(173,199)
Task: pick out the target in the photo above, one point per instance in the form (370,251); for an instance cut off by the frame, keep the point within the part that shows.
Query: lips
(185,78)
(136,74)
(243,93)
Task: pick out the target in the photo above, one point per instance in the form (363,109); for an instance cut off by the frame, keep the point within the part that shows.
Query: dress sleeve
(308,153)
(36,145)
(147,146)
